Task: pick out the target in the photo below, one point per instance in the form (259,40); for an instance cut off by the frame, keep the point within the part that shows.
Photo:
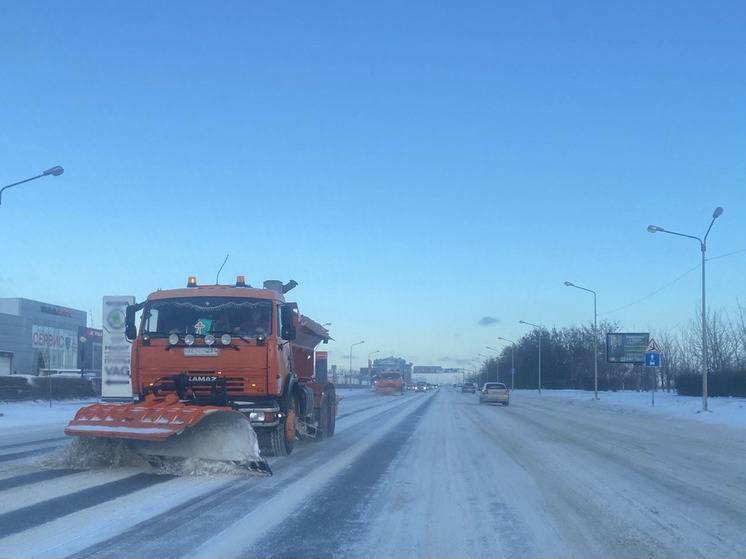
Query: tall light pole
(512,361)
(370,373)
(55,171)
(484,366)
(595,337)
(351,346)
(539,328)
(497,372)
(703,249)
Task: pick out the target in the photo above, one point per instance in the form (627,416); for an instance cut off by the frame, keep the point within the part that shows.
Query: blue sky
(415,166)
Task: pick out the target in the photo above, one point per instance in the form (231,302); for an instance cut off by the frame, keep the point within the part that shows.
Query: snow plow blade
(164,427)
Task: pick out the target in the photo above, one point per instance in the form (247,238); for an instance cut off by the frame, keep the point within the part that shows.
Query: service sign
(627,347)
(115,368)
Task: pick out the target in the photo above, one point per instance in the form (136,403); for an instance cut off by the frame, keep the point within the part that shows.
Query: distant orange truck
(389,383)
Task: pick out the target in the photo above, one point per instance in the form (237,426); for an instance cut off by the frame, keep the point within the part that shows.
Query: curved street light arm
(3,189)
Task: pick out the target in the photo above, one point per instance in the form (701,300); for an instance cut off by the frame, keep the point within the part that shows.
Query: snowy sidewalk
(17,415)
(723,411)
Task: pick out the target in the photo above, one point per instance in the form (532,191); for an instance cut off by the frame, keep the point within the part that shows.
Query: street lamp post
(351,346)
(512,361)
(370,373)
(703,249)
(595,337)
(485,366)
(540,332)
(55,171)
(497,371)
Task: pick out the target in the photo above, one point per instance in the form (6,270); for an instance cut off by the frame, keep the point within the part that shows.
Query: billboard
(626,347)
(115,367)
(54,348)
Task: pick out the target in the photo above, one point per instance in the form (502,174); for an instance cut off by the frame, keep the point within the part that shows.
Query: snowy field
(723,411)
(419,475)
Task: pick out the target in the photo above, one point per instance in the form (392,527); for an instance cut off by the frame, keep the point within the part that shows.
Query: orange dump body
(155,418)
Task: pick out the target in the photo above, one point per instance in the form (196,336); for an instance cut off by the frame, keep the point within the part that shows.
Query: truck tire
(321,414)
(280,440)
(331,422)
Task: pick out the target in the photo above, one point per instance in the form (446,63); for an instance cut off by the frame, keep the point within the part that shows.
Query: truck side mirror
(287,331)
(130,330)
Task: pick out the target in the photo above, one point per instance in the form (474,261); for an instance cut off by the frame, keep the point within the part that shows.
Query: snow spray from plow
(165,433)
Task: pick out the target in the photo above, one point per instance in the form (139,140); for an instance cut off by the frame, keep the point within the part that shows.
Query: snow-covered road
(423,475)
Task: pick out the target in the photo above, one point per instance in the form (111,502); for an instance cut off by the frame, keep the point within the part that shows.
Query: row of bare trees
(567,355)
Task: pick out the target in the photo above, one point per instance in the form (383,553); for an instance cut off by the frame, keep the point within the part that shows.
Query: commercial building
(36,335)
(391,364)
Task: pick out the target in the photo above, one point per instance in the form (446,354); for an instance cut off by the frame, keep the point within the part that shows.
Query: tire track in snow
(30,443)
(196,520)
(378,405)
(31,516)
(26,453)
(586,473)
(33,477)
(340,504)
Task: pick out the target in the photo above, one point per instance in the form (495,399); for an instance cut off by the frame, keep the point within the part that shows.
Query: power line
(669,284)
(727,254)
(649,295)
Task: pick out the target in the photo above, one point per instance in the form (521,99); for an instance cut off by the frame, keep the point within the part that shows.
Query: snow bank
(723,411)
(33,413)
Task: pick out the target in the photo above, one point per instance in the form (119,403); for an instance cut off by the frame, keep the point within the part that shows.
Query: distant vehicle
(468,387)
(420,387)
(494,392)
(390,382)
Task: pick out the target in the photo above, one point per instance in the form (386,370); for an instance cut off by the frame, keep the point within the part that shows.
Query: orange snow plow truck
(389,382)
(219,372)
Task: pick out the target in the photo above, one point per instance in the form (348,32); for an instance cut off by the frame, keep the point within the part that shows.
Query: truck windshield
(208,315)
(391,376)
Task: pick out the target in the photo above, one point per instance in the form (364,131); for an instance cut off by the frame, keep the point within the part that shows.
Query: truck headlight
(209,339)
(189,339)
(256,416)
(225,339)
(173,339)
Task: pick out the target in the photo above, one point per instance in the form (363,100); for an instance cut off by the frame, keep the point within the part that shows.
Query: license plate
(200,352)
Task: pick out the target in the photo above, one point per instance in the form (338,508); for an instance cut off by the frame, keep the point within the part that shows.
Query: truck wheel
(331,422)
(321,414)
(280,440)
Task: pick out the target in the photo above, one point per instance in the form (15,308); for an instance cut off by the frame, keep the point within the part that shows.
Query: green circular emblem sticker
(115,319)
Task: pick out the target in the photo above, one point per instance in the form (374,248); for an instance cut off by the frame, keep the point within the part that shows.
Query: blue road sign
(652,359)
